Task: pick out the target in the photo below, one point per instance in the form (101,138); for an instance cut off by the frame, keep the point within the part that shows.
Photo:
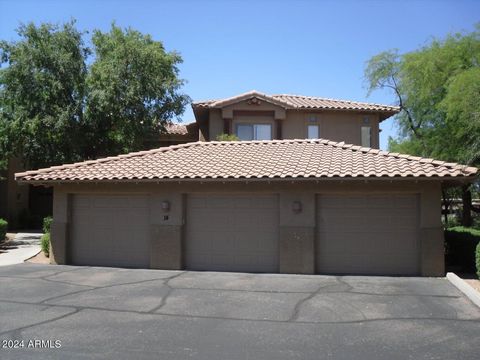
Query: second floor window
(313,132)
(366,136)
(254,131)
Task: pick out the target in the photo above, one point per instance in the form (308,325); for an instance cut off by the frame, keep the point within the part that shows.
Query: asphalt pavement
(68,312)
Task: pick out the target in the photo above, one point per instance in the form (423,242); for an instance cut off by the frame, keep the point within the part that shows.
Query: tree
(56,109)
(41,94)
(438,90)
(133,90)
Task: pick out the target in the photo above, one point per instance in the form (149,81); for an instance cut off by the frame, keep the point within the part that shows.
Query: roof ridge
(333,99)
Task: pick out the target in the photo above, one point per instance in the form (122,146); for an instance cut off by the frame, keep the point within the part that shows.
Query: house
(262,204)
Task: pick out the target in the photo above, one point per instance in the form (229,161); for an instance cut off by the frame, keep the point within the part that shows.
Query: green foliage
(47,224)
(461,244)
(56,109)
(133,90)
(477,259)
(227,137)
(3,229)
(438,90)
(41,93)
(45,244)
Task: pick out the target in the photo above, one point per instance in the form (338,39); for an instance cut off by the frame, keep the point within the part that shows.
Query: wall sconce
(297,207)
(165,205)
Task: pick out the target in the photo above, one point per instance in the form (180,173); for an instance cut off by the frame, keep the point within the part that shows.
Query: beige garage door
(110,231)
(232,233)
(367,234)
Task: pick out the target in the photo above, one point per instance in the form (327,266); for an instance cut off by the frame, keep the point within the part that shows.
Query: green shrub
(477,255)
(47,223)
(3,229)
(461,244)
(227,137)
(45,244)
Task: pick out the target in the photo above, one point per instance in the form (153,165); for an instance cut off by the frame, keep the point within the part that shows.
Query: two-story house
(306,191)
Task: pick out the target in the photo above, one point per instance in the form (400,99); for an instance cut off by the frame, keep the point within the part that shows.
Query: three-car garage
(354,234)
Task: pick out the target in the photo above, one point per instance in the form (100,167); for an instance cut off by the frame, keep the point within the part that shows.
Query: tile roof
(301,102)
(276,159)
(181,129)
(177,129)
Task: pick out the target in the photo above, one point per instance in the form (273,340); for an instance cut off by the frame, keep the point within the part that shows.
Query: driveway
(107,313)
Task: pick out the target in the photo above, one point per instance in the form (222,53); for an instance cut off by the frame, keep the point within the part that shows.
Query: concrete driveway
(108,313)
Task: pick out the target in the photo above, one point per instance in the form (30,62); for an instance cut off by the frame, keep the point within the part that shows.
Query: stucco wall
(333,125)
(297,230)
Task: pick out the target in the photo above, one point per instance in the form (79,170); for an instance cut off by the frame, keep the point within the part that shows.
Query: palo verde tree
(55,109)
(438,90)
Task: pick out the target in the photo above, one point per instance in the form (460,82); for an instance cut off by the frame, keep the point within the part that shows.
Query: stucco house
(283,199)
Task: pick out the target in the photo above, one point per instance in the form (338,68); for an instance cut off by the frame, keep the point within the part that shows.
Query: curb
(461,285)
(31,257)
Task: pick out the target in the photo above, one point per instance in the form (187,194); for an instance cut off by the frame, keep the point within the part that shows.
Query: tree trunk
(467,206)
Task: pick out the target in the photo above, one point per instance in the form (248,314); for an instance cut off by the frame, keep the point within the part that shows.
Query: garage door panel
(381,238)
(404,202)
(351,201)
(110,231)
(232,233)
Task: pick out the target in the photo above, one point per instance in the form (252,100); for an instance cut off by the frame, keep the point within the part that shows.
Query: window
(366,136)
(254,131)
(313,132)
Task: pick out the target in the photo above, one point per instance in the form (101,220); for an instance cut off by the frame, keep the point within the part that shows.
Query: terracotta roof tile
(177,129)
(301,102)
(251,160)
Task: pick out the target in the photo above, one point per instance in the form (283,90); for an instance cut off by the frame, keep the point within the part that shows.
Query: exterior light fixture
(297,207)
(165,205)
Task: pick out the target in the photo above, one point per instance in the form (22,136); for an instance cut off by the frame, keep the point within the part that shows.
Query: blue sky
(316,48)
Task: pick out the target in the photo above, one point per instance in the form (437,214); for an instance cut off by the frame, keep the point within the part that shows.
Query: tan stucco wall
(333,125)
(215,124)
(297,230)
(59,232)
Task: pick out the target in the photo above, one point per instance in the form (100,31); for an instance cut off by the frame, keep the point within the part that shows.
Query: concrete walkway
(23,247)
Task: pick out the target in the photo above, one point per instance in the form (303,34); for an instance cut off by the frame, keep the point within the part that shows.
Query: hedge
(3,229)
(461,246)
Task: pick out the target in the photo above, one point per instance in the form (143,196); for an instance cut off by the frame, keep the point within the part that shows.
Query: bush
(45,244)
(227,137)
(477,255)
(47,224)
(3,229)
(461,244)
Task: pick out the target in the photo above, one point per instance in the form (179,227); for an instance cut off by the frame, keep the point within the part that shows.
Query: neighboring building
(289,206)
(22,206)
(176,134)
